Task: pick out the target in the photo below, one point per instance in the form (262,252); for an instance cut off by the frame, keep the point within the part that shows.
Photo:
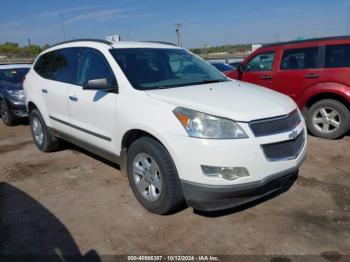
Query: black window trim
(319,61)
(264,52)
(105,60)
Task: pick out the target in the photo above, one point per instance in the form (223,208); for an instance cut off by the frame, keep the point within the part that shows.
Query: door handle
(312,75)
(73,98)
(44,90)
(266,77)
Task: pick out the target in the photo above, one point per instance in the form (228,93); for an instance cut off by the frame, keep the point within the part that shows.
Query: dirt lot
(71,202)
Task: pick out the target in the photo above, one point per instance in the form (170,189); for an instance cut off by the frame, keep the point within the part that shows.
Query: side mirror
(99,84)
(240,68)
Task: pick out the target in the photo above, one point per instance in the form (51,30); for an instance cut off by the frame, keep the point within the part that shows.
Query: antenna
(63,29)
(178,33)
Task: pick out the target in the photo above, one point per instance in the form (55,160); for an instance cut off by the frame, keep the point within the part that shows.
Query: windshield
(13,75)
(155,68)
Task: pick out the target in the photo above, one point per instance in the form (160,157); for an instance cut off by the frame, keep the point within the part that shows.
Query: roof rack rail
(82,40)
(308,40)
(160,42)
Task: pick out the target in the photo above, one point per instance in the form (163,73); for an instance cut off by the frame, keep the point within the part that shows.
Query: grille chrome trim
(284,150)
(275,125)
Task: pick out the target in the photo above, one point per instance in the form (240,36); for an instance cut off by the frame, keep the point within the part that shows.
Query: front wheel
(5,113)
(153,177)
(328,119)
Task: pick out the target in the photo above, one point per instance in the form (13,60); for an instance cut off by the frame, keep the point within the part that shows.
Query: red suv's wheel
(328,119)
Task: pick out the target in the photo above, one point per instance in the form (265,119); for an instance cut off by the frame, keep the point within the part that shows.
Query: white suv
(177,126)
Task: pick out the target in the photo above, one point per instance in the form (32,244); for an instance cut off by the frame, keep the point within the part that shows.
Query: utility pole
(63,29)
(348,21)
(178,33)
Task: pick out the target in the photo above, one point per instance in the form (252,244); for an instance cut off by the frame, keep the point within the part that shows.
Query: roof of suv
(120,44)
(345,37)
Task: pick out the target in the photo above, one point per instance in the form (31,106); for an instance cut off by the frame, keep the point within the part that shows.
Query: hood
(236,100)
(11,86)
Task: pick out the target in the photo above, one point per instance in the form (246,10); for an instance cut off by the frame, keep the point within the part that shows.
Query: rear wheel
(153,177)
(5,113)
(328,119)
(45,141)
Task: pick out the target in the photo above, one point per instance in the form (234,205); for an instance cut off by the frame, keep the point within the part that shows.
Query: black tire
(344,116)
(171,197)
(49,142)
(6,115)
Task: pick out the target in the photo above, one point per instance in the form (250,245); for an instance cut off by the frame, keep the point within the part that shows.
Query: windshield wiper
(209,81)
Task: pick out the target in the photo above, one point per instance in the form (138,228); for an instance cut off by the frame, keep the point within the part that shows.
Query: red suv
(315,73)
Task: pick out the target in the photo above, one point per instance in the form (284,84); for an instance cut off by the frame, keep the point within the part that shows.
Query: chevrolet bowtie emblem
(293,135)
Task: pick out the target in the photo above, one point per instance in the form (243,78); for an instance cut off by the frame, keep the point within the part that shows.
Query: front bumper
(213,198)
(265,175)
(17,108)
(189,154)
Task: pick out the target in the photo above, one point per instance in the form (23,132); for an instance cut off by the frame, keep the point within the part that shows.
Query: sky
(204,22)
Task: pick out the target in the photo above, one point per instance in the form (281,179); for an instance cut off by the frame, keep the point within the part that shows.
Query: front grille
(285,150)
(276,125)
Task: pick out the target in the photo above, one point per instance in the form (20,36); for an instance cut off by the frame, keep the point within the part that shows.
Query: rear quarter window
(44,63)
(337,56)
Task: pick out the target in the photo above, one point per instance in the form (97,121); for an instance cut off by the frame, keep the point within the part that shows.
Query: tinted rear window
(65,65)
(43,65)
(301,58)
(338,56)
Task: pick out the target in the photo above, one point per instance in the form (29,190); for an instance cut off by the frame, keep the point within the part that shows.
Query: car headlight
(17,94)
(201,125)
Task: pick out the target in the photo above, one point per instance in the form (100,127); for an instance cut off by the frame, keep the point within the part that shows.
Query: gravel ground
(71,202)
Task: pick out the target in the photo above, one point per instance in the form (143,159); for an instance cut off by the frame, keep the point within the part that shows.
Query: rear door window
(261,62)
(301,58)
(65,66)
(337,56)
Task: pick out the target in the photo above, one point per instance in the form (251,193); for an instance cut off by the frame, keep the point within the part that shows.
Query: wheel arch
(132,135)
(326,95)
(31,106)
(325,90)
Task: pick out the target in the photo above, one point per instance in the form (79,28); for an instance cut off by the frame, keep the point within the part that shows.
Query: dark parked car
(314,72)
(223,67)
(235,64)
(12,105)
